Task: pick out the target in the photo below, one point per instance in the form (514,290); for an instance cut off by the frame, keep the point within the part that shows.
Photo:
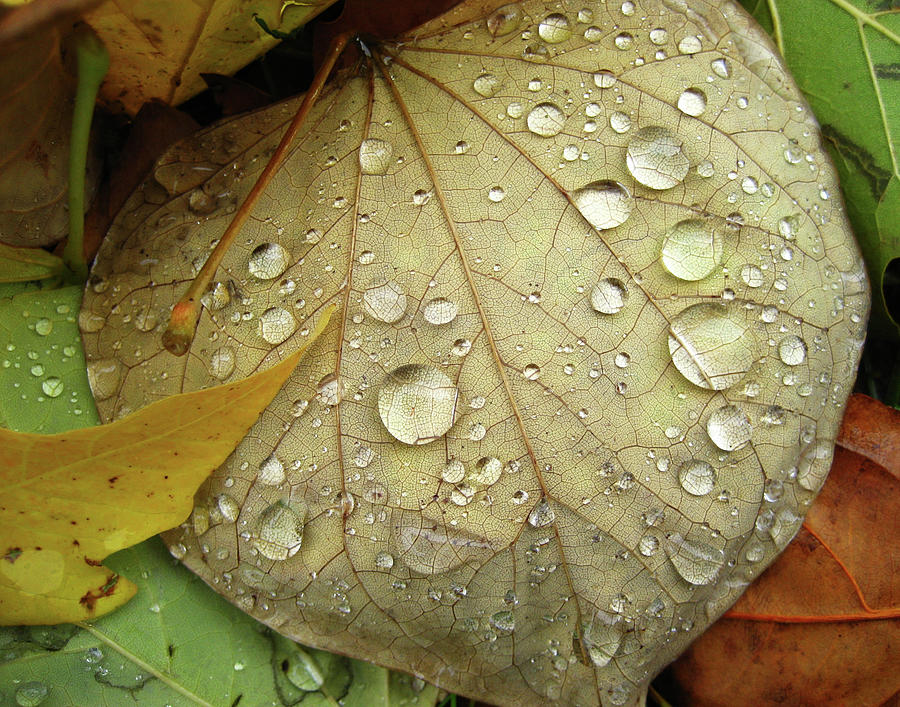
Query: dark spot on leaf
(877,176)
(89,600)
(236,700)
(112,480)
(891,72)
(92,563)
(171,650)
(12,554)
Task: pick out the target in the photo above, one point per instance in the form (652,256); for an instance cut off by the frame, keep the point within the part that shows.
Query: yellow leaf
(160,48)
(71,499)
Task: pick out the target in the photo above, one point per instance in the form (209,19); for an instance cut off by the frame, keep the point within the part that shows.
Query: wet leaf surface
(822,625)
(74,497)
(591,313)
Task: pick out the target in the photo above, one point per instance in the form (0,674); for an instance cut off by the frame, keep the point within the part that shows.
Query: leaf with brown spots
(822,625)
(73,498)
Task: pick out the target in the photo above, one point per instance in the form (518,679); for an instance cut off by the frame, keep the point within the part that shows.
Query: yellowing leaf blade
(73,498)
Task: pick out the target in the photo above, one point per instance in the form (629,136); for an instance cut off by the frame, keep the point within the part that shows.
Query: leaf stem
(183,321)
(776,26)
(866,19)
(93,63)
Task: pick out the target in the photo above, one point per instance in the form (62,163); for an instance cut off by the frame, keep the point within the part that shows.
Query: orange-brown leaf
(822,625)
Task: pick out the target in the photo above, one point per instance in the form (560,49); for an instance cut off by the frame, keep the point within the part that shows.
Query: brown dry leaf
(73,498)
(822,625)
(160,48)
(591,309)
(36,95)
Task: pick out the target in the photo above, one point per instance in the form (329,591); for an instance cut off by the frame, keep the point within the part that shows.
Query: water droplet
(698,563)
(541,515)
(554,29)
(221,363)
(609,295)
(89,322)
(453,472)
(697,477)
(815,461)
(605,204)
(486,472)
(692,102)
(228,507)
(622,360)
(216,297)
(655,158)
(503,621)
(531,372)
(749,185)
(729,428)
(461,347)
(546,120)
(620,122)
(103,377)
(268,261)
(43,326)
(422,197)
(430,548)
(504,20)
(329,390)
(417,403)
(31,693)
(659,36)
(648,545)
(384,560)
(496,194)
(486,85)
(752,276)
(375,156)
(53,387)
(720,68)
(280,530)
(601,638)
(462,494)
(605,79)
(690,45)
(709,345)
(461,147)
(276,325)
(623,40)
(271,471)
(692,249)
(792,350)
(385,301)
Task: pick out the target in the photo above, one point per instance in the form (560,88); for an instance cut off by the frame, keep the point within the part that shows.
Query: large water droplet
(385,301)
(692,249)
(375,156)
(608,296)
(31,693)
(555,28)
(486,85)
(43,326)
(605,204)
(53,387)
(417,403)
(453,472)
(280,530)
(440,311)
(430,548)
(709,345)
(503,621)
(655,158)
(271,471)
(601,637)
(792,350)
(268,261)
(692,102)
(698,563)
(729,428)
(103,377)
(697,477)
(221,363)
(276,325)
(815,461)
(504,20)
(486,471)
(546,120)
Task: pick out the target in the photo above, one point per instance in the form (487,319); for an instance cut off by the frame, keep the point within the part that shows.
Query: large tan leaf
(160,48)
(600,313)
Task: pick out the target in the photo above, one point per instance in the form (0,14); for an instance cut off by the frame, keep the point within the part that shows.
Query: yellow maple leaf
(73,498)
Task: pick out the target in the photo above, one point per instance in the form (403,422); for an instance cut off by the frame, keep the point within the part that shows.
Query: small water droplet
(659,36)
(692,102)
(692,249)
(690,45)
(503,621)
(604,204)
(453,472)
(541,515)
(271,471)
(103,376)
(384,560)
(531,372)
(422,197)
(608,296)
(697,477)
(486,471)
(496,194)
(440,311)
(216,297)
(602,637)
(624,40)
(486,85)
(554,28)
(729,428)
(461,347)
(268,261)
(375,156)
(655,158)
(228,507)
(221,363)
(546,120)
(648,545)
(279,532)
(619,122)
(605,79)
(43,326)
(417,403)
(792,350)
(720,68)
(53,387)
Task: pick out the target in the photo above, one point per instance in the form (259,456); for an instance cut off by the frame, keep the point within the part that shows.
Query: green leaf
(43,387)
(24,264)
(848,69)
